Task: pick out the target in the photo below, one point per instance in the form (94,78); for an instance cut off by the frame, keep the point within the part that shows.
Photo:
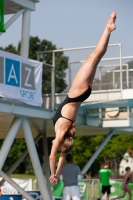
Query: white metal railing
(53,52)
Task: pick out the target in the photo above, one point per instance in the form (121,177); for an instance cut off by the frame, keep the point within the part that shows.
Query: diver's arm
(52,157)
(60,164)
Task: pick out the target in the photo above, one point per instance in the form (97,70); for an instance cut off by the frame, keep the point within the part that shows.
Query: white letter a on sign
(12,74)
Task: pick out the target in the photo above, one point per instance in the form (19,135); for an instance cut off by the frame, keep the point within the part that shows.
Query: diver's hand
(54,179)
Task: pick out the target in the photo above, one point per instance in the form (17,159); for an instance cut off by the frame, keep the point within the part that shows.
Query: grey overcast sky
(76,23)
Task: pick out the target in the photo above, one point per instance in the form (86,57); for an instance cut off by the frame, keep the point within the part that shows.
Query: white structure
(13,114)
(127,161)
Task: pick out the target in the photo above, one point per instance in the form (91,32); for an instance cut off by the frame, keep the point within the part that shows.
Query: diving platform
(116,104)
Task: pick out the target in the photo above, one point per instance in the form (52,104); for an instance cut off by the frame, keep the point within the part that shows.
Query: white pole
(121,85)
(78,48)
(97,152)
(69,75)
(53,82)
(127,76)
(45,146)
(24,51)
(113,80)
(35,160)
(9,140)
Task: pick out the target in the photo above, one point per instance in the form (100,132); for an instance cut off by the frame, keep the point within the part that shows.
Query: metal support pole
(127,76)
(97,152)
(69,75)
(100,117)
(45,146)
(9,140)
(24,51)
(121,86)
(127,67)
(100,88)
(100,79)
(16,186)
(15,165)
(113,80)
(35,160)
(53,82)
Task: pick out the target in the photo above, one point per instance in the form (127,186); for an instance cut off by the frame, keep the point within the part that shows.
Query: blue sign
(12,72)
(20,78)
(11,197)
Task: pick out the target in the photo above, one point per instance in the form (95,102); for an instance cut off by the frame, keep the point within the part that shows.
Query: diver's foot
(111,22)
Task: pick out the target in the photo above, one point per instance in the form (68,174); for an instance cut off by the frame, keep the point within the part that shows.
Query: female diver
(64,119)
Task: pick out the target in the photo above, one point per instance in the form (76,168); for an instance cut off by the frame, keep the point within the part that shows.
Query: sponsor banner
(25,184)
(20,78)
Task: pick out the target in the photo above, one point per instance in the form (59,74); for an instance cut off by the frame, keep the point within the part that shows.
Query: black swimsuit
(67,100)
(128,180)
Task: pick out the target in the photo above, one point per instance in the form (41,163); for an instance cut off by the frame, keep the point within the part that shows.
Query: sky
(76,23)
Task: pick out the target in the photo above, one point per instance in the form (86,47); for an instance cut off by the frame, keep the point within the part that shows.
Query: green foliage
(23,176)
(118,145)
(10,48)
(85,146)
(15,152)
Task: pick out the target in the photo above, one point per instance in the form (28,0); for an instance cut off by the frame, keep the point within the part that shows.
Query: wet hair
(66,145)
(127,168)
(69,157)
(68,142)
(71,130)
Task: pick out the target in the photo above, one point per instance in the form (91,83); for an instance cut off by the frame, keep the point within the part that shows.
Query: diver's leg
(86,73)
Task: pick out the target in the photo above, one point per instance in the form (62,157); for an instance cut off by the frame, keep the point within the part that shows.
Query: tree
(10,48)
(85,146)
(15,152)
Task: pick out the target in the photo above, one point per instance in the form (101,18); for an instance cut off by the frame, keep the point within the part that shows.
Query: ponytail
(71,130)
(68,143)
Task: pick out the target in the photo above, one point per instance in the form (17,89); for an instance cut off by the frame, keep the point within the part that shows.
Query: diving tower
(113,104)
(17,119)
